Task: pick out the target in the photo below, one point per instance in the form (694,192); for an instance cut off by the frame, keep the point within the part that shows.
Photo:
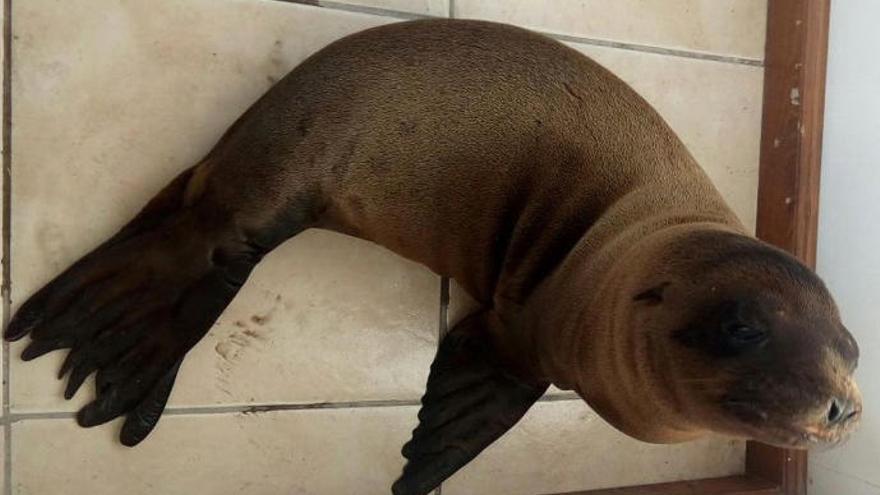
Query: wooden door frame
(795,58)
(788,203)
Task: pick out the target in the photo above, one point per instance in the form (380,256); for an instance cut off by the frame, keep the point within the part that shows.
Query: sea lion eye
(742,335)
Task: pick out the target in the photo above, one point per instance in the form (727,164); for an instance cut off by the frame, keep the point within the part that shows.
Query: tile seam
(6,288)
(14,417)
(444,308)
(657,50)
(443,330)
(359,9)
(571,38)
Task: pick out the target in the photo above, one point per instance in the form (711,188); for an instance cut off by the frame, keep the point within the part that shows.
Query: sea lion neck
(597,345)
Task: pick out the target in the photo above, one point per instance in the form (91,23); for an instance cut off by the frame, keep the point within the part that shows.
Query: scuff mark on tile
(224,349)
(231,348)
(276,67)
(254,334)
(260,319)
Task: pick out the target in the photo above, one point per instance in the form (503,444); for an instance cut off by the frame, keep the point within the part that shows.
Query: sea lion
(605,260)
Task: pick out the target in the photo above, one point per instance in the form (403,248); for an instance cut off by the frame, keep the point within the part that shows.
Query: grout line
(6,288)
(261,408)
(657,50)
(14,417)
(242,409)
(359,9)
(559,397)
(583,40)
(443,329)
(363,9)
(444,308)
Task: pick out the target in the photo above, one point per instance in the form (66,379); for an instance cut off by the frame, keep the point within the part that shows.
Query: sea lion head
(742,339)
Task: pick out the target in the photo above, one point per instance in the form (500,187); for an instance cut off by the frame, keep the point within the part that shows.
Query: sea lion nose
(842,411)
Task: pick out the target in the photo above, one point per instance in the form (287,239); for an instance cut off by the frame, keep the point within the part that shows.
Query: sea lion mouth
(820,435)
(801,438)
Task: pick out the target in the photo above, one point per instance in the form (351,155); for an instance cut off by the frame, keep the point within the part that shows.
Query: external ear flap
(652,296)
(471,400)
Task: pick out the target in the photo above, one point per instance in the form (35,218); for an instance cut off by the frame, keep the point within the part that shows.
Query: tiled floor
(728,28)
(111,98)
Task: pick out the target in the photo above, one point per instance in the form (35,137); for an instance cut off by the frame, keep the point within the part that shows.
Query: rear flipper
(133,307)
(471,400)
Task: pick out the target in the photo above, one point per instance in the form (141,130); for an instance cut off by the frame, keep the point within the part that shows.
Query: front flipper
(471,400)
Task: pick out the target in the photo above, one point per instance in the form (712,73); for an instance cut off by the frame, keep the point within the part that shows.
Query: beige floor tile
(714,107)
(317,452)
(437,8)
(728,27)
(110,103)
(460,304)
(563,446)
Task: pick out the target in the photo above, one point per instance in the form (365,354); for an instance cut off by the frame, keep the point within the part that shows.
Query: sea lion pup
(605,260)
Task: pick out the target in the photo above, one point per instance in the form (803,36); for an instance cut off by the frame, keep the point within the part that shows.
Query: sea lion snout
(797,424)
(843,411)
(841,415)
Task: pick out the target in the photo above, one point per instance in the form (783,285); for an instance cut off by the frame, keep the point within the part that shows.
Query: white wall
(849,230)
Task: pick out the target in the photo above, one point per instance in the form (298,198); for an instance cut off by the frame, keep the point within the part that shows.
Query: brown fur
(553,194)
(525,171)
